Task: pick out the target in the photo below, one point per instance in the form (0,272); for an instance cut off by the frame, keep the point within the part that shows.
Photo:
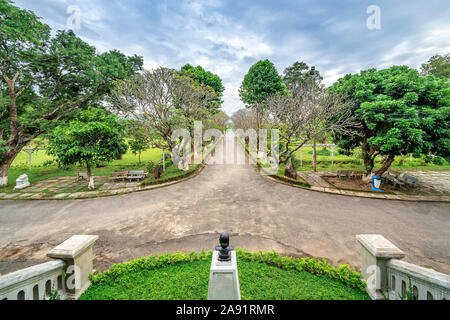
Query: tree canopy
(261,81)
(96,136)
(298,74)
(209,79)
(438,66)
(399,112)
(45,78)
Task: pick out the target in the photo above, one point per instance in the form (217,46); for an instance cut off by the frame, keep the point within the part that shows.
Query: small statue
(183,165)
(290,171)
(224,248)
(22,182)
(158,172)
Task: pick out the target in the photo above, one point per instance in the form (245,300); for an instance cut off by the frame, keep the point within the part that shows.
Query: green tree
(298,74)
(95,137)
(438,66)
(44,79)
(209,79)
(261,81)
(296,77)
(139,141)
(399,112)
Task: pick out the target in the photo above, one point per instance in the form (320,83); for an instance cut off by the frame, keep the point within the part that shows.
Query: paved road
(259,214)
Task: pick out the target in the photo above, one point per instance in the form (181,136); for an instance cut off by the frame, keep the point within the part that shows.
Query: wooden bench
(119,176)
(82,175)
(136,175)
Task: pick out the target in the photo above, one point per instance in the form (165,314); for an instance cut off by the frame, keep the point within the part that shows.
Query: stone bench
(136,175)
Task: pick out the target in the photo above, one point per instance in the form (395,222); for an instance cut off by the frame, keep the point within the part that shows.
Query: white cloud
(227,37)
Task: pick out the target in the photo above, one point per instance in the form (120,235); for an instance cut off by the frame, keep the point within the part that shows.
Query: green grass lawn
(343,162)
(166,279)
(40,157)
(39,172)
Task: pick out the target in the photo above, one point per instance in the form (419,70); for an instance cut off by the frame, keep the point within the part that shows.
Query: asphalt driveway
(258,213)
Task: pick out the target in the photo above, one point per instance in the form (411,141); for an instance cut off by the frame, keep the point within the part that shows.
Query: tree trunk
(139,157)
(315,155)
(4,167)
(369,162)
(90,177)
(386,165)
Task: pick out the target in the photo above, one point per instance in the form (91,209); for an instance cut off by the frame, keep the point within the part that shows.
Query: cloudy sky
(228,36)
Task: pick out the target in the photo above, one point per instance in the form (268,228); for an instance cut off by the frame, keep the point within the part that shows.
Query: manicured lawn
(189,280)
(343,162)
(39,172)
(40,157)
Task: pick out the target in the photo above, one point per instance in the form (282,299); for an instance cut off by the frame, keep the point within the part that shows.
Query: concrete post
(376,251)
(224,279)
(77,253)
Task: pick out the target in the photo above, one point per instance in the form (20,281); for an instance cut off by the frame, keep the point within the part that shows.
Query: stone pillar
(76,252)
(376,251)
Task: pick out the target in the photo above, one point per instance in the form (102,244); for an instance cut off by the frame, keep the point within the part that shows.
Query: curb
(94,193)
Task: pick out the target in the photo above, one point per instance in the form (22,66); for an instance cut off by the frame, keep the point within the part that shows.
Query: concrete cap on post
(78,255)
(379,246)
(72,247)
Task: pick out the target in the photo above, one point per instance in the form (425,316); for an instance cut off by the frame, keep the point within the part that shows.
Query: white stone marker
(22,182)
(223,276)
(224,279)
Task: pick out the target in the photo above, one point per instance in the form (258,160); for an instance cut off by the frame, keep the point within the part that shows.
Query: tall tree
(438,66)
(298,77)
(299,117)
(298,74)
(209,79)
(261,81)
(138,139)
(162,101)
(217,121)
(244,119)
(94,137)
(399,112)
(44,78)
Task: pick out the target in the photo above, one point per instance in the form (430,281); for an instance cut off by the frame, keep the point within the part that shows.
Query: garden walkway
(259,213)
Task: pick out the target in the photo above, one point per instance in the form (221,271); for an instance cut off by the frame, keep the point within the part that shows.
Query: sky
(227,37)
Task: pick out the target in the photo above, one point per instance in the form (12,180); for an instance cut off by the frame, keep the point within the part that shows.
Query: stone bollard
(376,251)
(224,278)
(77,253)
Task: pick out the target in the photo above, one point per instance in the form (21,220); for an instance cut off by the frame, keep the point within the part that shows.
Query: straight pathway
(259,213)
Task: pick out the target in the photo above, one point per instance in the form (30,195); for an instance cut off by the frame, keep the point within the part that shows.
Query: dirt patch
(12,253)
